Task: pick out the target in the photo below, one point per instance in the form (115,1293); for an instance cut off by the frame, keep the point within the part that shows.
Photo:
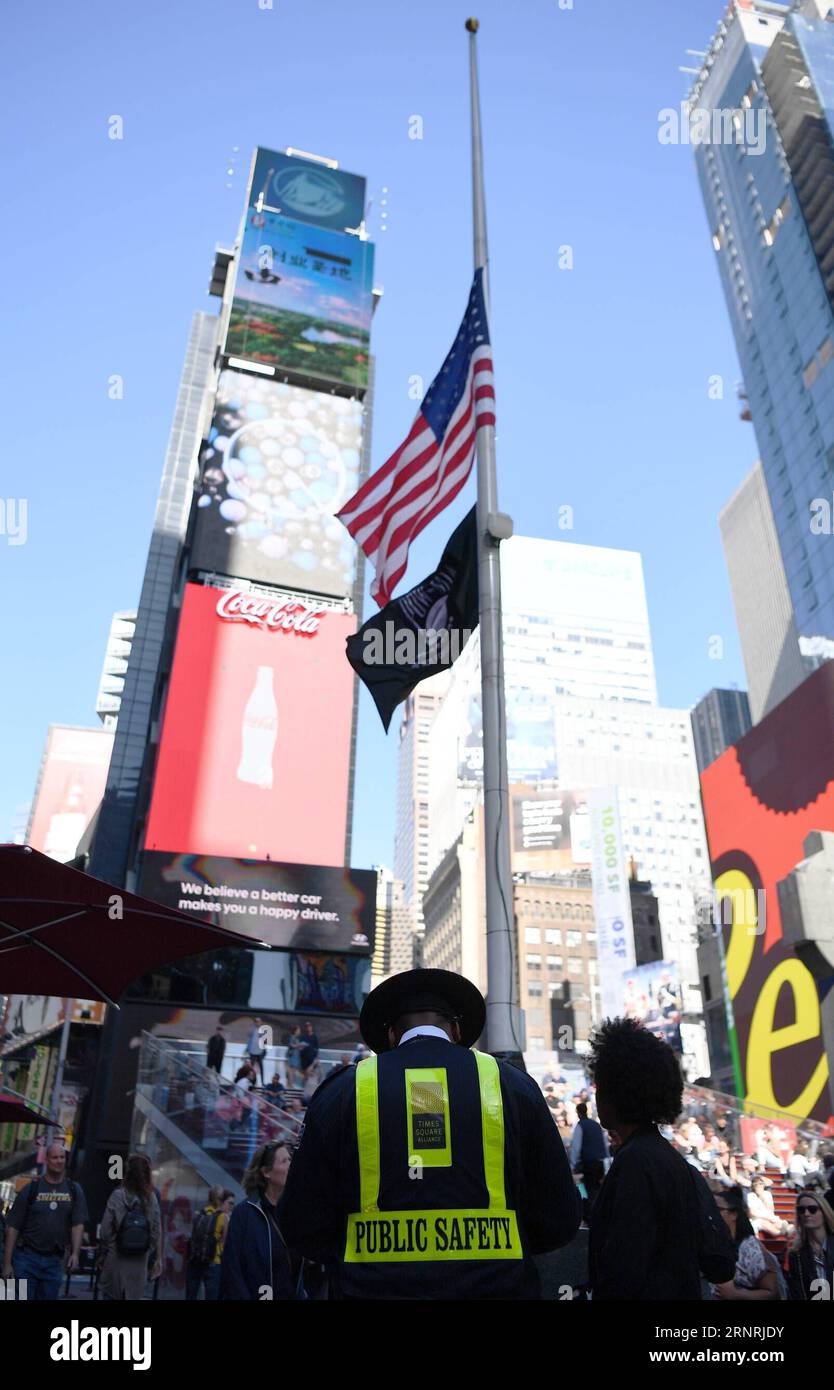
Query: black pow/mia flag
(425,630)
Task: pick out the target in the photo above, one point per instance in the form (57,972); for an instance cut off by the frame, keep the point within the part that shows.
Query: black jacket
(802,1271)
(646,1226)
(255,1257)
(323,1184)
(215,1051)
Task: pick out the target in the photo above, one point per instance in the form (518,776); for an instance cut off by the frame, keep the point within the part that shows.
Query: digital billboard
(307,190)
(302,300)
(761,798)
(279,462)
(70,786)
(254,753)
(552,826)
(531,738)
(303,906)
(652,995)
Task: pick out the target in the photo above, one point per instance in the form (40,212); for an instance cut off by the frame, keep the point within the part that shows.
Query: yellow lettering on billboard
(736,886)
(764,1039)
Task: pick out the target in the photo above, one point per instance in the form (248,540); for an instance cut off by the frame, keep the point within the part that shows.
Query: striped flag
(432,464)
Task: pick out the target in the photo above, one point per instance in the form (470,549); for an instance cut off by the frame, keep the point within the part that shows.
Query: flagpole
(504,1024)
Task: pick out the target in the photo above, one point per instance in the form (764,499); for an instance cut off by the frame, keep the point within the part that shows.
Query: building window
(535,1017)
(534,962)
(532,936)
(554,962)
(574,965)
(534,989)
(574,938)
(553,936)
(591,938)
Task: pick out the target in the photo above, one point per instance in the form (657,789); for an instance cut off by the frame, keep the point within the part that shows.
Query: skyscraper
(719,720)
(765,94)
(582,714)
(411,831)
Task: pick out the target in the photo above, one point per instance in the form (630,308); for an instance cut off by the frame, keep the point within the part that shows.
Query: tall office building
(411,831)
(116,658)
(582,714)
(232,775)
(394,940)
(767,177)
(718,721)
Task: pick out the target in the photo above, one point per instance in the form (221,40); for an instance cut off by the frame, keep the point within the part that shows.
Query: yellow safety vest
(479,1233)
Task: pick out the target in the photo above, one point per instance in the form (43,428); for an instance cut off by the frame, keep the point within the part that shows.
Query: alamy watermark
(407,646)
(697,125)
(14,520)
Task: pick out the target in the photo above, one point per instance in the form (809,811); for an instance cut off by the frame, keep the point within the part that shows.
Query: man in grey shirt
(48,1216)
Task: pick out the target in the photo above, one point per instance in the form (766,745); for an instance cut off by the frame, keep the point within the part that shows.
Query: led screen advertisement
(300,906)
(307,190)
(279,462)
(652,994)
(302,300)
(761,798)
(254,753)
(531,740)
(71,784)
(553,827)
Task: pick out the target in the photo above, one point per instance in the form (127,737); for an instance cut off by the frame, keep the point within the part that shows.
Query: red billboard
(71,784)
(761,798)
(255,748)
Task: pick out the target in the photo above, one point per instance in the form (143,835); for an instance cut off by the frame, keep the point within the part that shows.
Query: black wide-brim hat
(415,990)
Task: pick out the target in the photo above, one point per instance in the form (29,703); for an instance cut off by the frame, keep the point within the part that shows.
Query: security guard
(430,1170)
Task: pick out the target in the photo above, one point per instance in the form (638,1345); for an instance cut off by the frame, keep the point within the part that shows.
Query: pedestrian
(221,1230)
(495,1185)
(256,1049)
(130,1238)
(755,1277)
(811,1260)
(202,1245)
(216,1050)
(652,1227)
(46,1220)
(292,1062)
(309,1050)
(256,1263)
(762,1211)
(588,1152)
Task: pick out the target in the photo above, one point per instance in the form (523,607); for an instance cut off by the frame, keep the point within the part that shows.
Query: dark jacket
(215,1051)
(254,1257)
(802,1271)
(323,1184)
(645,1226)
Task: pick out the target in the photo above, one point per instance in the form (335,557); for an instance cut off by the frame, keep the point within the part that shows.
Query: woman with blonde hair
(811,1261)
(256,1262)
(130,1243)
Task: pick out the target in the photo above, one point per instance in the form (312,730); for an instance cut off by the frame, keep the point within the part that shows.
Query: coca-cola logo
(277,615)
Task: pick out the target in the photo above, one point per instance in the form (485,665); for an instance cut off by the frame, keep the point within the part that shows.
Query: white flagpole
(504,1026)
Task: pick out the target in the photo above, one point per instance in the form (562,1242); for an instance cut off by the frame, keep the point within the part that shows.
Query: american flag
(433,462)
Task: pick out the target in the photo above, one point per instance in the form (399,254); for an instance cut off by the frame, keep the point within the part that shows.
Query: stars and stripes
(432,464)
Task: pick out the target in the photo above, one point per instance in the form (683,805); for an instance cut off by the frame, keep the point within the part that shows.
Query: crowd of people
(656,1180)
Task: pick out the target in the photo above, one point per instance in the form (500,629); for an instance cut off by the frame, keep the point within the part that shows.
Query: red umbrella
(67,934)
(16,1110)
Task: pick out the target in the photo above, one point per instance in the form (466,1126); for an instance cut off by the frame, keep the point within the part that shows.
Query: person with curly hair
(652,1230)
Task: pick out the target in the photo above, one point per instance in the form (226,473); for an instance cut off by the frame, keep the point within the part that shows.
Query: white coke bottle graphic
(259,732)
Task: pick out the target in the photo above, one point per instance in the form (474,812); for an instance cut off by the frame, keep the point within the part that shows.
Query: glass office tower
(767,177)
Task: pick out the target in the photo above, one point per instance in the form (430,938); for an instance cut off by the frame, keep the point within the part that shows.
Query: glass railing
(227,1123)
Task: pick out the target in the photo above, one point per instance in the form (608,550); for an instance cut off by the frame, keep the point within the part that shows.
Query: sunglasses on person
(806,1210)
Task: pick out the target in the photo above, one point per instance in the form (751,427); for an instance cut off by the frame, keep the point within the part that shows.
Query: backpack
(134,1234)
(202,1244)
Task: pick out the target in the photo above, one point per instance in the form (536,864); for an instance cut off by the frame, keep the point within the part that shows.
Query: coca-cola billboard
(70,786)
(255,747)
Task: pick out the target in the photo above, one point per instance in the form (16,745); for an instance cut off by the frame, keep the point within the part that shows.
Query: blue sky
(602,371)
